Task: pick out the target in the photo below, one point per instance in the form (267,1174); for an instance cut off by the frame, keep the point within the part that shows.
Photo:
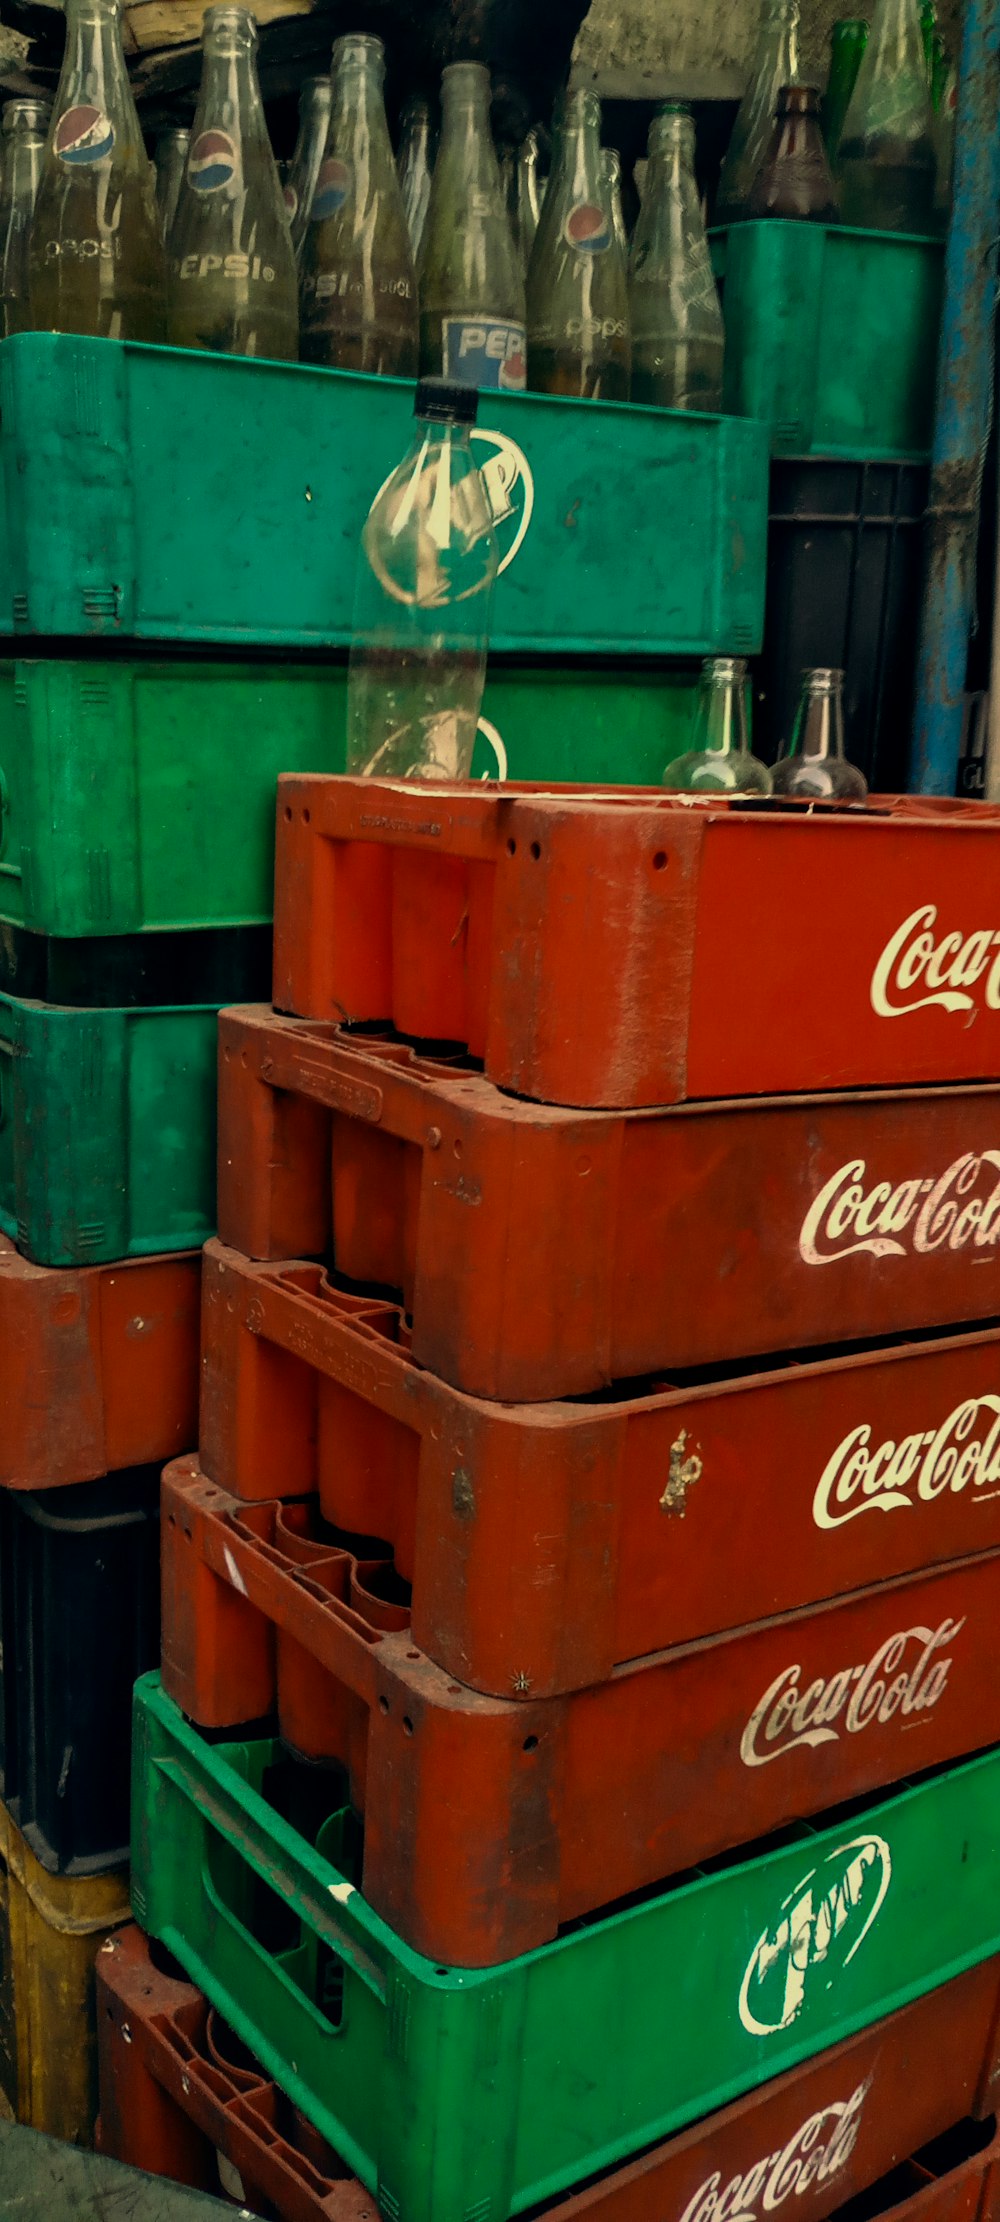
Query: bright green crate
(831,336)
(196,497)
(470,2095)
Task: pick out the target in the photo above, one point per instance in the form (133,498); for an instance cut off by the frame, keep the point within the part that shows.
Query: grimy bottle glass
(579,337)
(171,163)
(414,163)
(814,765)
(96,259)
(25,124)
(300,185)
(775,63)
(795,180)
(678,341)
(887,156)
(528,198)
(612,162)
(358,289)
(231,283)
(848,40)
(472,318)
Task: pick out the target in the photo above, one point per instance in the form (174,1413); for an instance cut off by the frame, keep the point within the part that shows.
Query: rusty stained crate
(543,1252)
(621,949)
(557,1806)
(180,2097)
(546,1545)
(98,1366)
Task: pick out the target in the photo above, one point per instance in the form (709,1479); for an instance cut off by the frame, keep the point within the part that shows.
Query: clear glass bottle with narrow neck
(814,765)
(25,125)
(795,181)
(719,761)
(171,163)
(358,286)
(231,284)
(775,63)
(678,340)
(300,184)
(612,162)
(579,338)
(472,316)
(887,156)
(415,164)
(527,198)
(96,258)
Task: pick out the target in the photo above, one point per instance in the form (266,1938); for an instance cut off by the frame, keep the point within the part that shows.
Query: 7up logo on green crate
(821,1925)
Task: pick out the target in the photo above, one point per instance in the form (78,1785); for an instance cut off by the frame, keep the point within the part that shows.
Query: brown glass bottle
(795,180)
(358,295)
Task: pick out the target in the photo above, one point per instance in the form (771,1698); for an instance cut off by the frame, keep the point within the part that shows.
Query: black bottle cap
(444,402)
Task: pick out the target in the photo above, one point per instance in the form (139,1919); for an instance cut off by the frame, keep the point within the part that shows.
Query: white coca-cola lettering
(932,1214)
(947,968)
(827,1904)
(918,1469)
(816,2152)
(857,1697)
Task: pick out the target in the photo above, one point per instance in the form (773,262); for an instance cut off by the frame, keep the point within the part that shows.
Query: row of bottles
(812,767)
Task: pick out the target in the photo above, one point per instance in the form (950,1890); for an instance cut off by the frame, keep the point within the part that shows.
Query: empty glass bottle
(426,571)
(95,257)
(578,321)
(814,765)
(359,291)
(25,124)
(678,340)
(415,163)
(775,63)
(887,155)
(171,163)
(471,287)
(527,198)
(848,40)
(719,762)
(795,179)
(300,184)
(612,162)
(231,283)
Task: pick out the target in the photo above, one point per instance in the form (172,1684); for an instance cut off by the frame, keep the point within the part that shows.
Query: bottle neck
(94,76)
(896,41)
(777,56)
(229,97)
(671,166)
(819,727)
(722,722)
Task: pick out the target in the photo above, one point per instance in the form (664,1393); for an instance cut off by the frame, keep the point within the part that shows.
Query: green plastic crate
(832,336)
(197,497)
(471,2095)
(142,795)
(107,1130)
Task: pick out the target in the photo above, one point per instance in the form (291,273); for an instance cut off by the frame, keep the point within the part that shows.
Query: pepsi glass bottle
(471,290)
(888,156)
(358,289)
(579,338)
(415,163)
(775,63)
(171,163)
(300,184)
(231,286)
(678,342)
(25,123)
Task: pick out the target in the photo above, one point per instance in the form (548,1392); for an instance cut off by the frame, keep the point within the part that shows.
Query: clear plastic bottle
(303,169)
(678,340)
(171,163)
(426,570)
(720,763)
(359,291)
(472,318)
(415,166)
(887,156)
(579,340)
(814,765)
(25,124)
(775,63)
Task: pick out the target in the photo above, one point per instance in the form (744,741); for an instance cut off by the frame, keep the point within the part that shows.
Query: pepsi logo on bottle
(333,185)
(83,135)
(212,162)
(587,228)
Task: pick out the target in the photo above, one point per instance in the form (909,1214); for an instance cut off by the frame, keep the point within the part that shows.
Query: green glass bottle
(848,40)
(775,63)
(231,284)
(415,165)
(887,155)
(813,765)
(579,336)
(678,341)
(472,315)
(358,288)
(303,169)
(719,762)
(25,125)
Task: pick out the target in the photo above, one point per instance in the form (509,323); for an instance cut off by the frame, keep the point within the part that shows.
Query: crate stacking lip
(543,1252)
(96,435)
(710,1988)
(177,2090)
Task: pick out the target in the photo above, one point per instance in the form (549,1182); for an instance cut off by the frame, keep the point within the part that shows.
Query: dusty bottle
(25,124)
(95,258)
(848,40)
(358,289)
(231,274)
(426,571)
(719,762)
(300,184)
(612,164)
(415,163)
(775,63)
(814,765)
(171,163)
(678,340)
(471,288)
(579,339)
(887,156)
(527,198)
(795,179)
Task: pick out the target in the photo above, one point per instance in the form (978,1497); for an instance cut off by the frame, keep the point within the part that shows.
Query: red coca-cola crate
(631,947)
(559,1805)
(544,1252)
(546,1545)
(98,1366)
(180,2097)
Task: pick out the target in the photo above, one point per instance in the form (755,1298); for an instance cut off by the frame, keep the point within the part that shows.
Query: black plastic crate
(202,964)
(79,1622)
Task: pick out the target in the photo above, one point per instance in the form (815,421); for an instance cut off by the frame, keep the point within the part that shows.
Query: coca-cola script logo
(947,968)
(813,2155)
(821,1924)
(962,1206)
(919,1468)
(856,1697)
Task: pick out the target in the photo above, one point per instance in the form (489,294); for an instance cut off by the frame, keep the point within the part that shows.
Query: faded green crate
(141,795)
(832,336)
(469,2095)
(196,497)
(107,1130)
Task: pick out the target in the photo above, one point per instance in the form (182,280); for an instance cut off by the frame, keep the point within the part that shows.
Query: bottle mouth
(672,126)
(723,670)
(466,81)
(441,401)
(30,115)
(824,679)
(230,22)
(357,47)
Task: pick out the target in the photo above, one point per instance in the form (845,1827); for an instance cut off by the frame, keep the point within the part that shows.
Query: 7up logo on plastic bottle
(821,1925)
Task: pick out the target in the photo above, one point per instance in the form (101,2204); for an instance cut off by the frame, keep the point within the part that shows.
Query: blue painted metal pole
(964,389)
